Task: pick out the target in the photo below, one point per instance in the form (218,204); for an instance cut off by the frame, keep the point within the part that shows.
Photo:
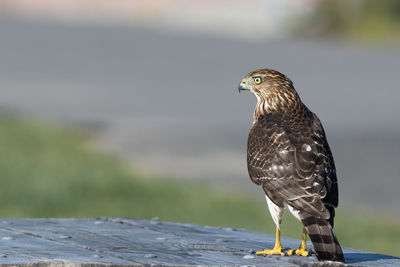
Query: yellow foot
(299,252)
(270,252)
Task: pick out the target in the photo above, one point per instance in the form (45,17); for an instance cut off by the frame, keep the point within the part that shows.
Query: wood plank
(114,241)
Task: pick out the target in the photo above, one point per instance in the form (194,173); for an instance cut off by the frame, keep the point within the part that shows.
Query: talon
(277,250)
(302,252)
(270,252)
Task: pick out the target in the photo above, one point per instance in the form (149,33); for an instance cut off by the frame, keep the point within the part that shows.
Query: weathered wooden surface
(113,241)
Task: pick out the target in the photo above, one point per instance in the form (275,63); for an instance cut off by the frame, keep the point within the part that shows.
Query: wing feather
(294,165)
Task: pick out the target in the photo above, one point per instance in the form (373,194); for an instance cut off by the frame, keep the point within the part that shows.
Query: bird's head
(274,91)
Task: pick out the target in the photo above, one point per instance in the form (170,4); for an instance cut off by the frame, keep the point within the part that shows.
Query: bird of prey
(288,156)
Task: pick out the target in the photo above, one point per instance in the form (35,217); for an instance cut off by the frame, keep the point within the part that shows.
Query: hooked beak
(243,86)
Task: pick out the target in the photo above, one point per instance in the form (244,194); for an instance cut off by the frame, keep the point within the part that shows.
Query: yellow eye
(257,80)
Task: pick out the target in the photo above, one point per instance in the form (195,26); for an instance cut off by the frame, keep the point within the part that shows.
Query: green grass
(50,171)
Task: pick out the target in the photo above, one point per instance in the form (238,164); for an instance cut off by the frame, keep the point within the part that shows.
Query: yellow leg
(277,250)
(302,250)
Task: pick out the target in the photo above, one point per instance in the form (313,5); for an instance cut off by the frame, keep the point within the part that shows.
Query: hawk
(288,156)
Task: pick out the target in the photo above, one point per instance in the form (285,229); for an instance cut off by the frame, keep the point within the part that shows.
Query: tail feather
(324,241)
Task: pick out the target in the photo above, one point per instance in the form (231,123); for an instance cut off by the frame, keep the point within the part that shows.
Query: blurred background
(130,108)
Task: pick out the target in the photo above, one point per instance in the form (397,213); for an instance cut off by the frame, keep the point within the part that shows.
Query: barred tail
(324,241)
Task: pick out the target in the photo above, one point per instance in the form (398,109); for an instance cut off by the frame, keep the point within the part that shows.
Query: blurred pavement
(168,101)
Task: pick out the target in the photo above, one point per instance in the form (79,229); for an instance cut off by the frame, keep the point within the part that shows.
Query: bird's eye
(257,80)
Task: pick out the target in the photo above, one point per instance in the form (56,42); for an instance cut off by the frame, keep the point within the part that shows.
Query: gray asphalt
(168,101)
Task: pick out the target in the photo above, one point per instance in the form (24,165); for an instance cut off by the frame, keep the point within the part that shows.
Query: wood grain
(127,242)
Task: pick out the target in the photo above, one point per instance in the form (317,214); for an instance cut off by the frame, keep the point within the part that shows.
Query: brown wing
(293,163)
